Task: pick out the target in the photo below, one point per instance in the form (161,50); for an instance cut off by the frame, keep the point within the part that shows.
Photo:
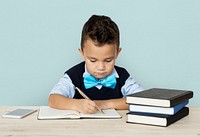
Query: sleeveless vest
(76,75)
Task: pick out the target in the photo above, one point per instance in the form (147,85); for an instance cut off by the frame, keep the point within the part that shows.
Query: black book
(159,97)
(156,119)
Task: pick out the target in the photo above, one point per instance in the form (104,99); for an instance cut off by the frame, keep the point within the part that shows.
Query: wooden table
(30,126)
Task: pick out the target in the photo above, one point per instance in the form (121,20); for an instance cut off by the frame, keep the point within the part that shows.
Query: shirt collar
(113,73)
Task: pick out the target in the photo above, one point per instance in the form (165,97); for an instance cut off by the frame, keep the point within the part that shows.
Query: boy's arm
(80,105)
(113,103)
(61,102)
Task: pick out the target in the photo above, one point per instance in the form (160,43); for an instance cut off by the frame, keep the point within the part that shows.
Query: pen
(86,97)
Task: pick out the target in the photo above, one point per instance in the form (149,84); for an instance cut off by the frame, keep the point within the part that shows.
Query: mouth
(100,75)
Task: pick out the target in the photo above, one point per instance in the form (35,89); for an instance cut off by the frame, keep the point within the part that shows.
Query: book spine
(182,113)
(180,99)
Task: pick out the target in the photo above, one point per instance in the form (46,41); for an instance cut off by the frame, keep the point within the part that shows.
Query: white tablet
(19,113)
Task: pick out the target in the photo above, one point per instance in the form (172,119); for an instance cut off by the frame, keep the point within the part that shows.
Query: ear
(81,52)
(118,51)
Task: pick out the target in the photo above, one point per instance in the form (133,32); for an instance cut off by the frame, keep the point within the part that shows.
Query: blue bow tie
(90,81)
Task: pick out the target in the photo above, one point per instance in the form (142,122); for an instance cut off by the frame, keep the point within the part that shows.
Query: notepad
(46,112)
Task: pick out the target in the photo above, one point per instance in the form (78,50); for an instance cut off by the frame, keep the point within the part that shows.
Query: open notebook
(46,112)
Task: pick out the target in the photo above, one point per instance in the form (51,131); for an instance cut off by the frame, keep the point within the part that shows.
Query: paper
(46,112)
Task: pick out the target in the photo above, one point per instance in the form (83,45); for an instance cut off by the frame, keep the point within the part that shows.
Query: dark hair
(101,30)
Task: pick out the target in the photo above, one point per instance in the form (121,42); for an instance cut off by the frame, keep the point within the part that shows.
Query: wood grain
(31,127)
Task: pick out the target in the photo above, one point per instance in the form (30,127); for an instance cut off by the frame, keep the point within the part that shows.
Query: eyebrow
(91,57)
(110,58)
(104,59)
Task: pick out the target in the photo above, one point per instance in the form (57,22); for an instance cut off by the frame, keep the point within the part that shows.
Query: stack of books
(159,107)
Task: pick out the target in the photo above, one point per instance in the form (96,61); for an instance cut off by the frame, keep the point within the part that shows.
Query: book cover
(159,97)
(156,119)
(157,110)
(46,112)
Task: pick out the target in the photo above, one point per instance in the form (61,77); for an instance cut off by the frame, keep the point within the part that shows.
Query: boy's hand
(112,103)
(86,106)
(103,104)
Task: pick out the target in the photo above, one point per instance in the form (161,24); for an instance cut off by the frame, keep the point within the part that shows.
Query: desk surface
(30,126)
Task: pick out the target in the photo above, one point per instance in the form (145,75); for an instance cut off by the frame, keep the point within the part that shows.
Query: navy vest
(76,75)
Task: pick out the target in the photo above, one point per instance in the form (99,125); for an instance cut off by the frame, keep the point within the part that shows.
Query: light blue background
(39,41)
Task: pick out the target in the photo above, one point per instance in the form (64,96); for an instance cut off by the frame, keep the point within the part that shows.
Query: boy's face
(99,60)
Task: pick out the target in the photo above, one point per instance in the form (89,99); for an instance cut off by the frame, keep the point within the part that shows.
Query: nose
(101,66)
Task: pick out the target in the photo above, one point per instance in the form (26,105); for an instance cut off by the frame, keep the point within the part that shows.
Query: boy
(104,83)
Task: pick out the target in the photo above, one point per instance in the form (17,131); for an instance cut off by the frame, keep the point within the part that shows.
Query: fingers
(88,106)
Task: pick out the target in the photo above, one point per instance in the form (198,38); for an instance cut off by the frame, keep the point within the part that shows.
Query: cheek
(110,66)
(90,66)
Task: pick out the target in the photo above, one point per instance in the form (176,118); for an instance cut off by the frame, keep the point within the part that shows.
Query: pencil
(86,97)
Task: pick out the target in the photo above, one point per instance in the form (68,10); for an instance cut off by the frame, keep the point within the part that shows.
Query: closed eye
(109,60)
(92,60)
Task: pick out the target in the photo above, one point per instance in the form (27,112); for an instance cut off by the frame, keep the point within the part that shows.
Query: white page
(108,113)
(47,112)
